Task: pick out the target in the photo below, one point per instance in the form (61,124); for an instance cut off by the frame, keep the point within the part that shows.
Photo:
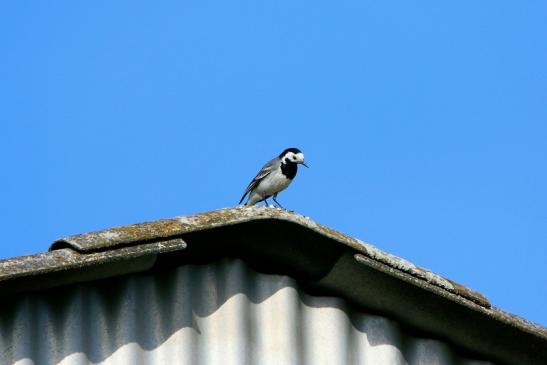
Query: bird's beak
(303,163)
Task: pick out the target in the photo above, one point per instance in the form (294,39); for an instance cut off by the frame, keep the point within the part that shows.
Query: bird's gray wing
(264,171)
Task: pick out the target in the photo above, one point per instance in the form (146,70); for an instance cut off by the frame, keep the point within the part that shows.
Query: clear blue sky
(424,124)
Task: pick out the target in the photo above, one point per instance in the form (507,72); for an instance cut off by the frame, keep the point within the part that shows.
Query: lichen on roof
(142,247)
(119,236)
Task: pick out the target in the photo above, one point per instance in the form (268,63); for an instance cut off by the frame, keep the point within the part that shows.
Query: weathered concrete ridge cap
(119,236)
(66,258)
(280,242)
(127,235)
(65,266)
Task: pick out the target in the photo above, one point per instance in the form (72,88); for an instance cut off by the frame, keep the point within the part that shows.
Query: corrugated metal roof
(278,241)
(222,313)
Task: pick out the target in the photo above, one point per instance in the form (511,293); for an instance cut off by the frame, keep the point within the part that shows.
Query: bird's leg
(266,202)
(276,202)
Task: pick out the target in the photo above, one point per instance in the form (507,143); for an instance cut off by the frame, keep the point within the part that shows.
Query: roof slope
(278,241)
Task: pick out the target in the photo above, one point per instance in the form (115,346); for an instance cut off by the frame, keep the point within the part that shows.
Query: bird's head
(293,155)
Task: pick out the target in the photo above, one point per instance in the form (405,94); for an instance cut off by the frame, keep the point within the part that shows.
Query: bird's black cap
(292,149)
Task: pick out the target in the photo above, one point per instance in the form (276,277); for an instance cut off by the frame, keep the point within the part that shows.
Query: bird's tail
(243,197)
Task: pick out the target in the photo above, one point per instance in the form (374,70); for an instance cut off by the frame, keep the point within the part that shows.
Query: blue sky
(424,124)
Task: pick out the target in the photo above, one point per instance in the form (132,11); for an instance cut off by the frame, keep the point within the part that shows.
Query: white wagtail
(274,177)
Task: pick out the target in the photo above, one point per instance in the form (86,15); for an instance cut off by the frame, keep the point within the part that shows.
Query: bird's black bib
(289,169)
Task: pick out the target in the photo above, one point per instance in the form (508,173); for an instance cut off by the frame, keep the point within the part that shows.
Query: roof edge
(137,233)
(318,253)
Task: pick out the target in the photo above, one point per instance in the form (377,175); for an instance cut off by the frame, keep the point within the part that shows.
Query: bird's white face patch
(295,157)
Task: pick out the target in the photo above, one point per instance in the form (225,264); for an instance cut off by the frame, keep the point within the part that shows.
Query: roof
(278,241)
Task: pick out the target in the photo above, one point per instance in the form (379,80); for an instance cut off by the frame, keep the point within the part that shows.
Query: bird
(274,177)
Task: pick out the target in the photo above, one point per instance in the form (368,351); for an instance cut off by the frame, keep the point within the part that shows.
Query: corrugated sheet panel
(221,313)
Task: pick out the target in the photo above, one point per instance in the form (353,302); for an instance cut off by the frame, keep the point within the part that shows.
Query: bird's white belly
(272,184)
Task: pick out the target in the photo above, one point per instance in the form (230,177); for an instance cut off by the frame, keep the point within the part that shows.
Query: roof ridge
(129,235)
